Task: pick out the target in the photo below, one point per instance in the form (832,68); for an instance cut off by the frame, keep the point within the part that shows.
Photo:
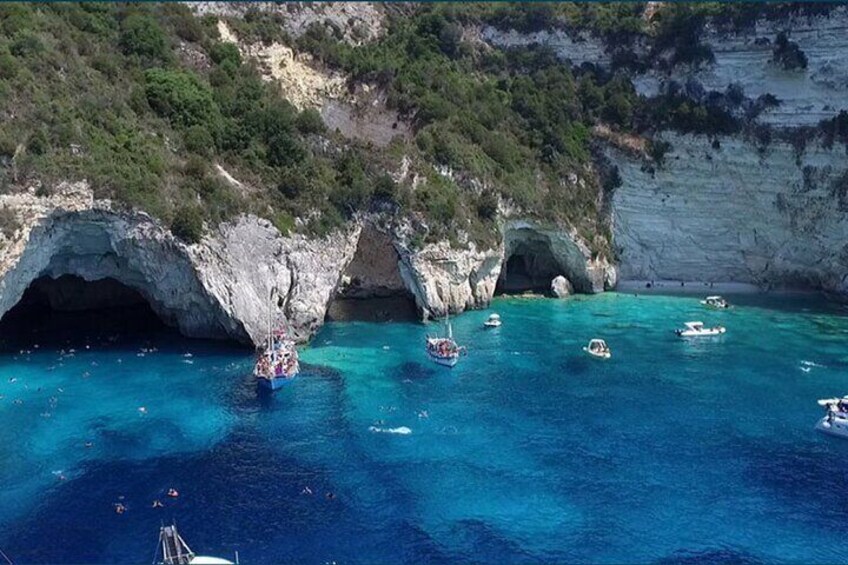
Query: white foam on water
(402,430)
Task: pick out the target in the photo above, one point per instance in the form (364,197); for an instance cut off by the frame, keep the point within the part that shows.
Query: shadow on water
(709,557)
(128,321)
(414,371)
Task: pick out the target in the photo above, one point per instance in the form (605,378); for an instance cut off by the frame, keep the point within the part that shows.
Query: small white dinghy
(598,348)
(697,329)
(835,420)
(494,321)
(715,302)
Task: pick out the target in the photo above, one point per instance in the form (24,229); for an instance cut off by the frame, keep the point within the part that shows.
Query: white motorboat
(835,420)
(598,348)
(715,302)
(494,321)
(697,329)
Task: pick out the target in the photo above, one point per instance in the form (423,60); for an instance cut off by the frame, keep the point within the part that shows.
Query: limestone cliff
(728,209)
(732,212)
(742,57)
(219,288)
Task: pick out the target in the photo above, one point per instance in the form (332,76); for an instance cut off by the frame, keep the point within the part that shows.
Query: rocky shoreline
(224,286)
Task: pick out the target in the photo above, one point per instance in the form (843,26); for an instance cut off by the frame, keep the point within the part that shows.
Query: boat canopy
(207,560)
(715,298)
(830,401)
(600,342)
(494,317)
(694,325)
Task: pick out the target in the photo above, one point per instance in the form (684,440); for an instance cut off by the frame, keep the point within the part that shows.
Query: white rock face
(228,285)
(248,259)
(561,287)
(734,215)
(444,279)
(577,47)
(807,96)
(220,288)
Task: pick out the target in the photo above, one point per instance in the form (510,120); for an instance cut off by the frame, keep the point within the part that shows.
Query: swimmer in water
(172,492)
(330,496)
(142,410)
(120,508)
(157,504)
(306,490)
(89,445)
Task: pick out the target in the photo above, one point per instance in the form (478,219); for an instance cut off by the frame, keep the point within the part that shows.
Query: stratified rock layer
(772,217)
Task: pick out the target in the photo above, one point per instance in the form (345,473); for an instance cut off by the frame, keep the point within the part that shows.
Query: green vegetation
(188,224)
(106,93)
(9,223)
(148,104)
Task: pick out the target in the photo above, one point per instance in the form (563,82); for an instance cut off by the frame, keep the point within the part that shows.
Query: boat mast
(447,319)
(270,318)
(175,551)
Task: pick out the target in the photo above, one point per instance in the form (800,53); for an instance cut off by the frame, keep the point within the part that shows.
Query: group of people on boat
(444,347)
(279,359)
(835,419)
(599,347)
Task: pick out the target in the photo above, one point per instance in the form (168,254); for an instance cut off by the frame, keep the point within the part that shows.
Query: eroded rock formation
(220,288)
(244,271)
(542,253)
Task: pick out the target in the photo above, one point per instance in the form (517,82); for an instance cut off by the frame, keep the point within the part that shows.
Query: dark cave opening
(530,268)
(372,288)
(69,309)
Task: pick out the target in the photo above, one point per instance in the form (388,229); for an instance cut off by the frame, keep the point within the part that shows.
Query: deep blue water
(528,451)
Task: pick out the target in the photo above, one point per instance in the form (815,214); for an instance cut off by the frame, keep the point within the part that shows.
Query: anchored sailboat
(278,362)
(444,350)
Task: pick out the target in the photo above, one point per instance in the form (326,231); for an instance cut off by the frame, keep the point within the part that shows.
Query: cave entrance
(372,288)
(69,309)
(530,267)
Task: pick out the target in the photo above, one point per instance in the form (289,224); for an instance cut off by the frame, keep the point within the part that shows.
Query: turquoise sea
(528,451)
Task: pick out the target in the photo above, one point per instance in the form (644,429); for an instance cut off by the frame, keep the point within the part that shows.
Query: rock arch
(371,286)
(534,255)
(97,245)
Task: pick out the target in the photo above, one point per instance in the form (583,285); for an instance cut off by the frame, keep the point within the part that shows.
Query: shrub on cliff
(787,54)
(181,97)
(188,224)
(9,223)
(142,36)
